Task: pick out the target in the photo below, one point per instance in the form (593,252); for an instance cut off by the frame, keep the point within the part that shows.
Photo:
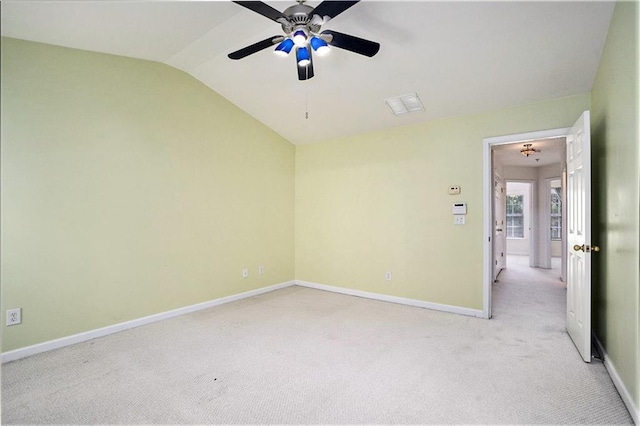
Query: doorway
(578,249)
(520,216)
(504,163)
(528,207)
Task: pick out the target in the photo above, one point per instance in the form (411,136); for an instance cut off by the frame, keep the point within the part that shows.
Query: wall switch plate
(458,219)
(14,316)
(261,270)
(388,275)
(245,272)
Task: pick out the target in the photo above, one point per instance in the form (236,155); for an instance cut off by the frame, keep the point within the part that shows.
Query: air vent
(405,104)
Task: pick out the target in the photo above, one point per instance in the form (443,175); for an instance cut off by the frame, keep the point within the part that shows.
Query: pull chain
(306,107)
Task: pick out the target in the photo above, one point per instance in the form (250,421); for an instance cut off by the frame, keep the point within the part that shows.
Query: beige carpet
(304,356)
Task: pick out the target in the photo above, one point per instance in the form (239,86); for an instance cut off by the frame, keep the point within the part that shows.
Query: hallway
(533,292)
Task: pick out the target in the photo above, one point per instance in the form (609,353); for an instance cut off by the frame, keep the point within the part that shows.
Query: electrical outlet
(245,272)
(260,270)
(14,316)
(388,275)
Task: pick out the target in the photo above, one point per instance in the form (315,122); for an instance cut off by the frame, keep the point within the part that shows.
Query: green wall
(616,180)
(378,202)
(128,189)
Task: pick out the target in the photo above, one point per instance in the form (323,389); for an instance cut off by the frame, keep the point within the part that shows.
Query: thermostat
(459,208)
(454,190)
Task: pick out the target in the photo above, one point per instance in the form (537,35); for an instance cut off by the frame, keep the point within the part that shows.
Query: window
(515,216)
(556,213)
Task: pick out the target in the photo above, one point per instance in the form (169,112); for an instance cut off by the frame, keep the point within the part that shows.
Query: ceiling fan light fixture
(319,46)
(300,38)
(303,57)
(284,48)
(300,24)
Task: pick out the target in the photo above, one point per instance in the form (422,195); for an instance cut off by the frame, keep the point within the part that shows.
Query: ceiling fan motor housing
(299,17)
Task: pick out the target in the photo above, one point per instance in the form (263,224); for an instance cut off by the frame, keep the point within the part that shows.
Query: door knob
(578,247)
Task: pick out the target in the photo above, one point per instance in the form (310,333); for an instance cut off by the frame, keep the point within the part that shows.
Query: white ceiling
(460,57)
(548,151)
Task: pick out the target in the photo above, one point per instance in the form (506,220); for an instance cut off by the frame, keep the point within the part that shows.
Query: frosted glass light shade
(284,48)
(320,46)
(299,38)
(303,56)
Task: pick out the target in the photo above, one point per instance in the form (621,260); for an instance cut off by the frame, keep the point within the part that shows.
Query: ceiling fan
(301,24)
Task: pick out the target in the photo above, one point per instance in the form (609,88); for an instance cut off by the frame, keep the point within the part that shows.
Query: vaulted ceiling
(460,57)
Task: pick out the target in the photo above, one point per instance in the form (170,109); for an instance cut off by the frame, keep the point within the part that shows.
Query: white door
(499,207)
(579,236)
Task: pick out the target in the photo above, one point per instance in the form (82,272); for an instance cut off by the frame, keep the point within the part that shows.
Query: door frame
(545,219)
(487,172)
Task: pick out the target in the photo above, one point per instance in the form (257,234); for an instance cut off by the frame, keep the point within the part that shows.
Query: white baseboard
(619,384)
(394,299)
(104,331)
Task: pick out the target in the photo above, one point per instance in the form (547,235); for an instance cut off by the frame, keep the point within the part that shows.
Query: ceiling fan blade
(263,9)
(306,72)
(351,43)
(256,47)
(332,8)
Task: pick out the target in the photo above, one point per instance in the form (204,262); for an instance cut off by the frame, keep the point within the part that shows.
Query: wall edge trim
(618,383)
(478,313)
(115,328)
